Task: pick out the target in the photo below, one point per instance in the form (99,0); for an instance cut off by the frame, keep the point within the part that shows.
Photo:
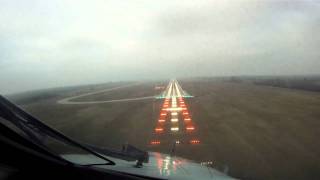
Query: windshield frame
(26,123)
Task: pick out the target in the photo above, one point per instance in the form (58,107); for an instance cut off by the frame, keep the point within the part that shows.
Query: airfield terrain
(253,131)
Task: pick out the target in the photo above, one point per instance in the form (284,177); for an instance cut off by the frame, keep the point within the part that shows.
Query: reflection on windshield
(166,164)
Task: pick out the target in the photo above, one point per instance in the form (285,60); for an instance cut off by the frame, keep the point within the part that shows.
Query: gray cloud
(58,43)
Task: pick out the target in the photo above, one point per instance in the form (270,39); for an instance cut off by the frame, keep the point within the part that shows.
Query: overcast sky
(63,42)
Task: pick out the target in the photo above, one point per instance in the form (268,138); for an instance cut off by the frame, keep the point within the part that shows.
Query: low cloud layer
(63,42)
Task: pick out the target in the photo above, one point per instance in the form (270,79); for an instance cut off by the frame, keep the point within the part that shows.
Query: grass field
(258,132)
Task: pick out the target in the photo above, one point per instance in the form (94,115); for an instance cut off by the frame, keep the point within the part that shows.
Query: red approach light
(182,105)
(194,141)
(190,128)
(158,130)
(155,142)
(187,119)
(161,120)
(185,113)
(165,105)
(184,108)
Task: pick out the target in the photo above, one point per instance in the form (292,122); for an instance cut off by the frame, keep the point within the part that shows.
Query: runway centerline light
(174,120)
(174,113)
(175,129)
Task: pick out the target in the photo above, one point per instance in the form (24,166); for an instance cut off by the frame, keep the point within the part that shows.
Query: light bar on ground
(194,141)
(161,120)
(163,114)
(174,120)
(158,129)
(155,142)
(174,113)
(190,128)
(185,113)
(187,119)
(174,129)
(177,142)
(174,109)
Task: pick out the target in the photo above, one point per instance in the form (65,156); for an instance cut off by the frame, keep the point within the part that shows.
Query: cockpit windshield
(232,85)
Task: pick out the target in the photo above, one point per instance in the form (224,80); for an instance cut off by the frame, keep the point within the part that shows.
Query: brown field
(258,132)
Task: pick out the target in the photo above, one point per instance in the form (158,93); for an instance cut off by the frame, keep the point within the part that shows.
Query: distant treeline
(295,84)
(309,83)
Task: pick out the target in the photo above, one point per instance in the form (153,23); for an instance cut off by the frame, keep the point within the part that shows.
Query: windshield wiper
(35,129)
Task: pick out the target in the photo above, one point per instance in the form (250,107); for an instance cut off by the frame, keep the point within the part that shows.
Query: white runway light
(174,120)
(174,129)
(174,113)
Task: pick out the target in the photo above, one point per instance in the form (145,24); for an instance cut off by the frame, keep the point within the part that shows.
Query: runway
(174,124)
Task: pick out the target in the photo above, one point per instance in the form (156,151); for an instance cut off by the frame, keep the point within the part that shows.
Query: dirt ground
(256,132)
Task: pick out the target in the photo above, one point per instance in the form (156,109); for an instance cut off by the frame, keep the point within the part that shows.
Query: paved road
(68,100)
